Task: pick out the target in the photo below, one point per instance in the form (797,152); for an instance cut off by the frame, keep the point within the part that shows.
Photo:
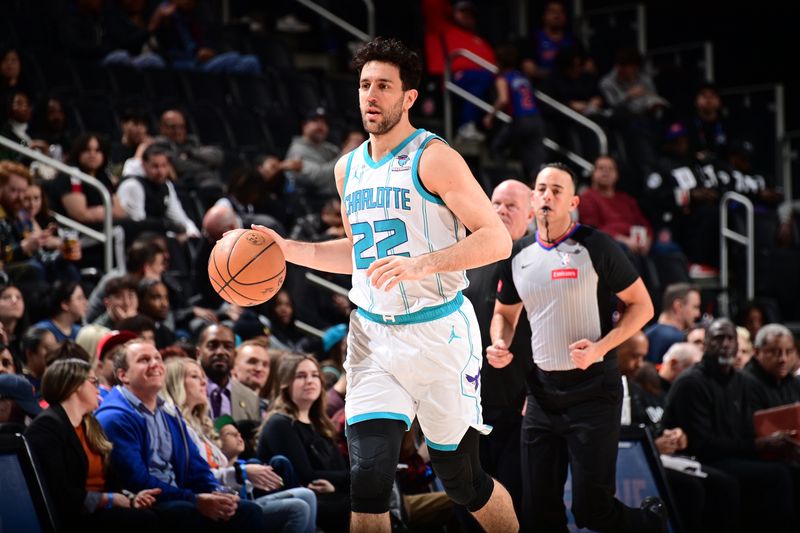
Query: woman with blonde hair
(72,452)
(293,510)
(298,428)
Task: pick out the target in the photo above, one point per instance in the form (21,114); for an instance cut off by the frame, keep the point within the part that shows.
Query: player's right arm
(329,256)
(501,331)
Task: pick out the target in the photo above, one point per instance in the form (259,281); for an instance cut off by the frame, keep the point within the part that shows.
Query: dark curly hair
(394,52)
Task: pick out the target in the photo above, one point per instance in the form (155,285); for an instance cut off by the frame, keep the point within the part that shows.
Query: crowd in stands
(149,402)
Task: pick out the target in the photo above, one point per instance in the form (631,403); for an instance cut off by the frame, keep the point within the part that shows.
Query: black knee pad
(461,474)
(374,447)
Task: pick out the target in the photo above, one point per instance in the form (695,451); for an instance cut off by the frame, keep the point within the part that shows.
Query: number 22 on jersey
(366,249)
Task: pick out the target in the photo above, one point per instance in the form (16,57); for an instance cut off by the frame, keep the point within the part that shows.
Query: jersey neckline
(390,155)
(559,241)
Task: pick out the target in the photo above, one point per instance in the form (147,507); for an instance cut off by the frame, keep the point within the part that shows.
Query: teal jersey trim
(380,415)
(347,171)
(428,314)
(425,193)
(441,447)
(368,158)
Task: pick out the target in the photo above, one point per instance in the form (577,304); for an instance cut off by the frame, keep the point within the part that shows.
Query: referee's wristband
(110,502)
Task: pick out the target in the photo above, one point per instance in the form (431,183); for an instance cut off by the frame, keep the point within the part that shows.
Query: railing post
(448,102)
(708,60)
(745,240)
(641,28)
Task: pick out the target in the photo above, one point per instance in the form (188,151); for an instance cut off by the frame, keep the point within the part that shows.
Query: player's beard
(389,119)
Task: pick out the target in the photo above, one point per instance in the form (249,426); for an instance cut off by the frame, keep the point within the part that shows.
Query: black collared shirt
(768,392)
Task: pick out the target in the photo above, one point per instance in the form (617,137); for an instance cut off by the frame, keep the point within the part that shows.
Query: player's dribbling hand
(280,241)
(386,272)
(583,353)
(498,354)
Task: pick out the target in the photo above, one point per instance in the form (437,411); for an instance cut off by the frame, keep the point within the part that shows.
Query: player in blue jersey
(414,346)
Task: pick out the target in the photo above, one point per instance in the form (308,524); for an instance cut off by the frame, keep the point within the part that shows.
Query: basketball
(246,267)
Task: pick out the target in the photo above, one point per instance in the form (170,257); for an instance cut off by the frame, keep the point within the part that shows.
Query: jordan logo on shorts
(453,335)
(474,380)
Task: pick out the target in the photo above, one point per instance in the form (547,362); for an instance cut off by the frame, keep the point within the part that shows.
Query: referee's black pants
(573,418)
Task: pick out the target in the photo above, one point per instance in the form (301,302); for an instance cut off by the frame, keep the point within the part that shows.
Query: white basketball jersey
(391,213)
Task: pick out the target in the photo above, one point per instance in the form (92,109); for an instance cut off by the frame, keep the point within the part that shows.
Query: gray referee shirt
(567,288)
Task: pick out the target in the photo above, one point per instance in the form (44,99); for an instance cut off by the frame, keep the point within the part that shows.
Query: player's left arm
(638,311)
(445,173)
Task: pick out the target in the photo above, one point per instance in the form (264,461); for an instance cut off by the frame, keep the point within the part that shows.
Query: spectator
(121,301)
(701,502)
(637,106)
(752,317)
(89,338)
(12,76)
(251,367)
(325,226)
(708,132)
(92,33)
(195,165)
(548,41)
(250,190)
(50,125)
(312,157)
(18,404)
(147,257)
(187,38)
(697,335)
(134,134)
(682,201)
(13,317)
(8,363)
(67,311)
(679,358)
(129,37)
(151,200)
(109,345)
(227,396)
(284,333)
(298,428)
(144,327)
(710,402)
(154,303)
(133,416)
(60,250)
(72,450)
(525,132)
(18,248)
(680,309)
(770,371)
(68,349)
(450,28)
(36,344)
(572,85)
(745,351)
(288,510)
(85,204)
(18,113)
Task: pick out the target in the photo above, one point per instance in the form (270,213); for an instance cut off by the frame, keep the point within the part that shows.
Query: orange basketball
(246,267)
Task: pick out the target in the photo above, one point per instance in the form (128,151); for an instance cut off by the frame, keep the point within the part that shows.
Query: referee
(566,275)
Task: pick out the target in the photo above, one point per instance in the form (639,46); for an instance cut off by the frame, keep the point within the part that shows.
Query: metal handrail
(745,240)
(346,26)
(706,46)
(450,86)
(786,155)
(105,236)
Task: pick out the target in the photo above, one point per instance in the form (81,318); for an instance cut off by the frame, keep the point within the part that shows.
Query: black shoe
(655,505)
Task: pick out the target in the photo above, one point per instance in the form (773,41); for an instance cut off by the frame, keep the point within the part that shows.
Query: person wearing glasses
(770,368)
(72,450)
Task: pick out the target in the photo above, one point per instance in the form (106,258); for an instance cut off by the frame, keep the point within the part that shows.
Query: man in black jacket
(769,370)
(710,402)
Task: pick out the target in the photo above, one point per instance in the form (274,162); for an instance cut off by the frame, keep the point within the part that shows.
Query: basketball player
(414,346)
(566,275)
